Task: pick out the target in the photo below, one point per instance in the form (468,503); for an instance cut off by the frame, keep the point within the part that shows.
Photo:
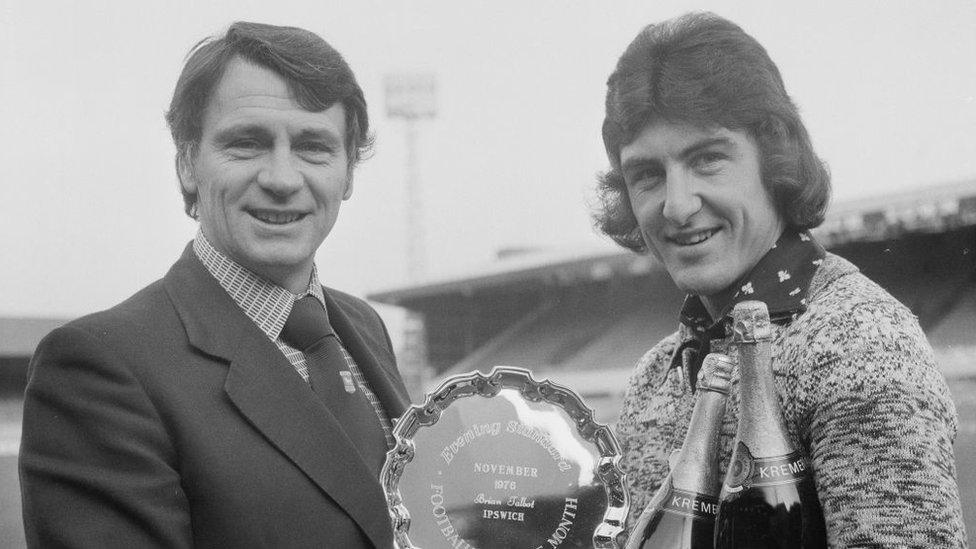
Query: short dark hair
(314,71)
(704,70)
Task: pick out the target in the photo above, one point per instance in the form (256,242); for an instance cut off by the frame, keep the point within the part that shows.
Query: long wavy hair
(704,70)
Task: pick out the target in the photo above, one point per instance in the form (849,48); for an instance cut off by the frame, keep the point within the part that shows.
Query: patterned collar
(264,302)
(781,279)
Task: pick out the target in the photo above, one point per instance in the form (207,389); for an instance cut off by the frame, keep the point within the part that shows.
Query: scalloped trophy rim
(477,383)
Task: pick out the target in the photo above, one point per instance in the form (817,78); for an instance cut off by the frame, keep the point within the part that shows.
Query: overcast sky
(91,211)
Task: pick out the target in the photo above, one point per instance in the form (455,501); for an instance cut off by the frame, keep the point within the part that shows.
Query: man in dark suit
(194,413)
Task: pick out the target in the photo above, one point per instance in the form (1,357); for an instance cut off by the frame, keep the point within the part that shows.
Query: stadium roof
(561,268)
(930,209)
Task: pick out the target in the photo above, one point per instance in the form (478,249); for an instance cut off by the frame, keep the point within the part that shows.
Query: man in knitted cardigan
(713,172)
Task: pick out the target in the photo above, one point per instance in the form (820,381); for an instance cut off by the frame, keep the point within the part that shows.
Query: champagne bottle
(768,499)
(682,512)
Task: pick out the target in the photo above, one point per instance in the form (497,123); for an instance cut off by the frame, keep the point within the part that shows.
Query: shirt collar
(781,279)
(264,302)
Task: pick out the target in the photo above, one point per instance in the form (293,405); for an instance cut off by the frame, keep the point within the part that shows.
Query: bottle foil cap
(750,322)
(716,373)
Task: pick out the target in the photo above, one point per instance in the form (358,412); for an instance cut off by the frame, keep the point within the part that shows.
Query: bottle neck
(696,468)
(761,425)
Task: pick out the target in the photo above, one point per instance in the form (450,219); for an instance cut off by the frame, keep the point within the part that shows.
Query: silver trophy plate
(504,461)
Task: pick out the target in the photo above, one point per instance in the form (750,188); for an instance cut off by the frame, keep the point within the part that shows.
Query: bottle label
(746,471)
(691,504)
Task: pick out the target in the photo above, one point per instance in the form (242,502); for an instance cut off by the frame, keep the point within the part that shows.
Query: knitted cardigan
(862,397)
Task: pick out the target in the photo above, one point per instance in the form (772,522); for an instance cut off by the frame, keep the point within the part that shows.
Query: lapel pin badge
(347,381)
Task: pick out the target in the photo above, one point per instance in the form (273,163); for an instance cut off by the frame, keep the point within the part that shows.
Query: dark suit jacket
(171,420)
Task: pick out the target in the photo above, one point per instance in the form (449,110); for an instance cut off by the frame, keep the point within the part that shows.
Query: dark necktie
(308,329)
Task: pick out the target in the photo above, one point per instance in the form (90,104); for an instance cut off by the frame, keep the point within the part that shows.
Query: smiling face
(698,198)
(270,176)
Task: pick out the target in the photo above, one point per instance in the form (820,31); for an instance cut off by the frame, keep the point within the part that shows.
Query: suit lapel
(272,396)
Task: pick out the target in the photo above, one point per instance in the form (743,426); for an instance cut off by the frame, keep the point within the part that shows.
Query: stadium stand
(584,319)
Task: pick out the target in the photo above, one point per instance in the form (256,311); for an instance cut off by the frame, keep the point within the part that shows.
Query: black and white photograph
(489,275)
